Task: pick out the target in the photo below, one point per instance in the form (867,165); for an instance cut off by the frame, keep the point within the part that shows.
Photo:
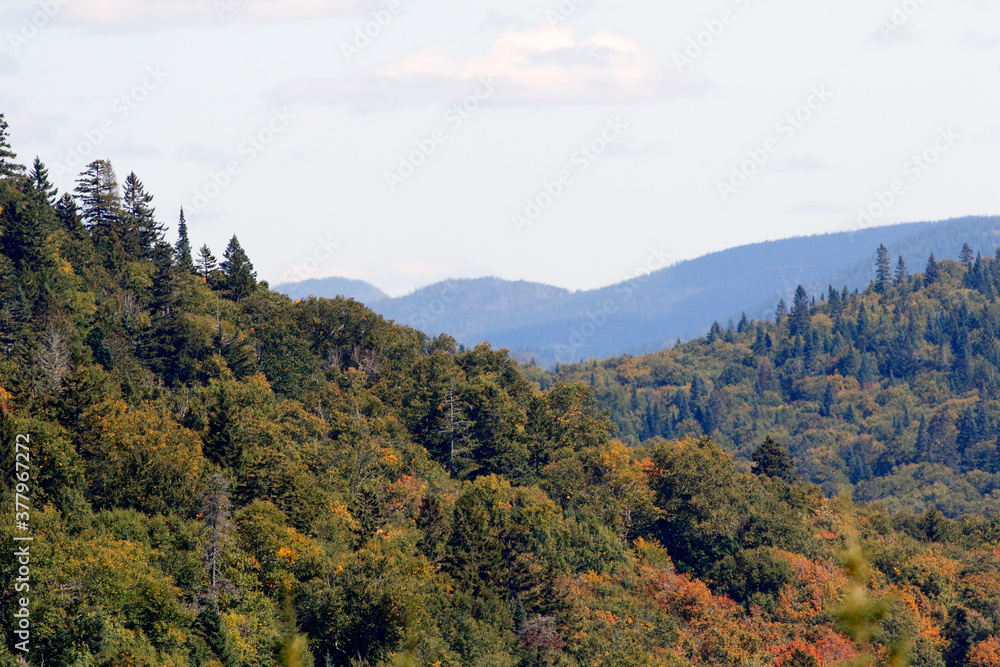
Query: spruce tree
(9,168)
(966,256)
(932,273)
(206,263)
(799,321)
(100,200)
(882,268)
(902,274)
(829,401)
(182,249)
(140,231)
(40,181)
(773,461)
(239,277)
(781,311)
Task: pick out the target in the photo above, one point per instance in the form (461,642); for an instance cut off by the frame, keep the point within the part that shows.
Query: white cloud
(537,67)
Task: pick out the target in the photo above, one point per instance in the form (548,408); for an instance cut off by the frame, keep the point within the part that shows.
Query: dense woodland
(224,477)
(893,393)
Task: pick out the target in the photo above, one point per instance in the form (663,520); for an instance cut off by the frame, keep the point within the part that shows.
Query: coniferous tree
(932,272)
(781,311)
(901,271)
(9,168)
(239,277)
(141,233)
(772,460)
(182,249)
(966,256)
(829,401)
(100,200)
(882,268)
(799,321)
(40,182)
(206,263)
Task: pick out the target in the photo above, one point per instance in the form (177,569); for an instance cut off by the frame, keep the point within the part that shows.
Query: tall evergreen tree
(932,273)
(40,181)
(100,199)
(772,460)
(901,271)
(966,256)
(883,272)
(182,249)
(799,321)
(140,231)
(781,311)
(9,168)
(829,401)
(239,277)
(206,262)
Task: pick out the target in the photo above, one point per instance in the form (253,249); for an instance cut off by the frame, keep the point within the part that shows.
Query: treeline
(224,477)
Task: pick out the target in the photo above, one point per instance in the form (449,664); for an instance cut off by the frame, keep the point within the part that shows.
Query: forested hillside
(220,476)
(892,392)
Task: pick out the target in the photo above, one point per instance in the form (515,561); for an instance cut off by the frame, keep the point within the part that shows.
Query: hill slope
(681,301)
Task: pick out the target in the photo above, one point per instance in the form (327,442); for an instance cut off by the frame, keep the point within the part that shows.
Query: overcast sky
(547,141)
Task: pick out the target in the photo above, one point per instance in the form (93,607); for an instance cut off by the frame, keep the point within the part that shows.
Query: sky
(403,142)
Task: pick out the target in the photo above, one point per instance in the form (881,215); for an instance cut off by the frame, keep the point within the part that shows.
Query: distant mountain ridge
(553,325)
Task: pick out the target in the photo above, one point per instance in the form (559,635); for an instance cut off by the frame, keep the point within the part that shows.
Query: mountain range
(552,325)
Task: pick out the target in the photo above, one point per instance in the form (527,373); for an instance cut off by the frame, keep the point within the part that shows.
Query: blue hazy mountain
(358,290)
(554,325)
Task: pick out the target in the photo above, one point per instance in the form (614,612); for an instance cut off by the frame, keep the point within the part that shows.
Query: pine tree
(239,277)
(140,231)
(772,460)
(932,273)
(182,249)
(901,271)
(9,168)
(966,256)
(100,200)
(206,263)
(799,321)
(781,311)
(829,401)
(882,268)
(40,181)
